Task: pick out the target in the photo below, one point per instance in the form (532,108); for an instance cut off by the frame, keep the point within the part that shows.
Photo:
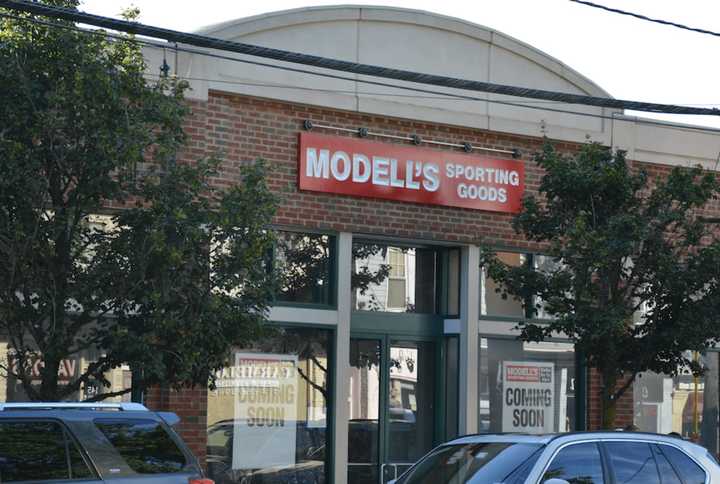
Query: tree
(172,276)
(636,281)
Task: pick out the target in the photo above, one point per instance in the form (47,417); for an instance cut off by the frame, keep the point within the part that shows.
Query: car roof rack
(125,407)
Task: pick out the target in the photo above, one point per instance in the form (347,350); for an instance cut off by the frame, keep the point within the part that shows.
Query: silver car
(575,458)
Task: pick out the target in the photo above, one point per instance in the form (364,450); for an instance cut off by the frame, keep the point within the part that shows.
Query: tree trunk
(609,413)
(609,403)
(49,379)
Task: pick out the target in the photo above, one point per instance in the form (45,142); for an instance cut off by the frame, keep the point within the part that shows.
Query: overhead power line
(456,96)
(344,66)
(649,19)
(428,93)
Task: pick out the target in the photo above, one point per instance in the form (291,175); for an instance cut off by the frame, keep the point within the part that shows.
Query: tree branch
(89,343)
(95,368)
(22,373)
(625,386)
(312,383)
(317,362)
(102,396)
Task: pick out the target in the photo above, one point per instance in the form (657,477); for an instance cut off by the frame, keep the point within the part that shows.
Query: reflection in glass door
(364,403)
(411,405)
(391,407)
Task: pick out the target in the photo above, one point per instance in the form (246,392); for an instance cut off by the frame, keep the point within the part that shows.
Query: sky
(629,58)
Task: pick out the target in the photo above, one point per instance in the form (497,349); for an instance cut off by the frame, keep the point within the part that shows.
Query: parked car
(575,458)
(309,466)
(93,442)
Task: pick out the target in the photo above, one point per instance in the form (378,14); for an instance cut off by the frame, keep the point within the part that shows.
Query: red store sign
(349,166)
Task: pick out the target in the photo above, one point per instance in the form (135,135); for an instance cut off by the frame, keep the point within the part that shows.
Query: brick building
(396,341)
(392,338)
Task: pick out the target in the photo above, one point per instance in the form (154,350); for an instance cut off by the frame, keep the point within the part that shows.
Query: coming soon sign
(265,410)
(348,166)
(528,400)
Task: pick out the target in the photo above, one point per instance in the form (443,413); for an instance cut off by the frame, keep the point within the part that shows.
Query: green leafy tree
(172,277)
(636,284)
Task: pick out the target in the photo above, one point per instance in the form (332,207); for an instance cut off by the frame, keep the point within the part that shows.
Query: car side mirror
(555,480)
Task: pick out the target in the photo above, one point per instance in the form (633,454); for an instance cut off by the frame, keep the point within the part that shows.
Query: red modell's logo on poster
(347,166)
(522,373)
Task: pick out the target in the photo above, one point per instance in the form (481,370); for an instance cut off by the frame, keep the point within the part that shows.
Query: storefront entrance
(397,392)
(393,405)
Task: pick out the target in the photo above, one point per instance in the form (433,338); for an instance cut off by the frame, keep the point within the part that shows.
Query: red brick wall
(191,406)
(244,129)
(624,415)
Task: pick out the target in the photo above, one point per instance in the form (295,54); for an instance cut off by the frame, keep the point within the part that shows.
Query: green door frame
(387,328)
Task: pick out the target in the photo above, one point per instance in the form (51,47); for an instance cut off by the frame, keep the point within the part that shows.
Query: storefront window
(267,418)
(681,404)
(394,279)
(547,265)
(526,387)
(492,302)
(71,368)
(305,265)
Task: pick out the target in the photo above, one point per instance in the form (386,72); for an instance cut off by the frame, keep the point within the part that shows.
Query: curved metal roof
(247,26)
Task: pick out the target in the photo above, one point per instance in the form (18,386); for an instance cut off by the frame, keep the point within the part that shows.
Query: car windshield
(480,462)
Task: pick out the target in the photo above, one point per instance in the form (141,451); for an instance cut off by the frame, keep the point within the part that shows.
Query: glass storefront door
(392,405)
(364,404)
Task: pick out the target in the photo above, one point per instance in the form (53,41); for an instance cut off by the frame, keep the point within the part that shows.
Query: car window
(144,444)
(577,464)
(78,467)
(476,463)
(633,463)
(690,472)
(519,475)
(36,451)
(667,473)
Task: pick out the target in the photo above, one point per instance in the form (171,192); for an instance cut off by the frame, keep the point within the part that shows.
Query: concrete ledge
(303,315)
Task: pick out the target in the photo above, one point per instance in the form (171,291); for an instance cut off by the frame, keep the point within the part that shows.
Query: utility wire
(440,96)
(463,97)
(649,19)
(153,44)
(432,94)
(344,66)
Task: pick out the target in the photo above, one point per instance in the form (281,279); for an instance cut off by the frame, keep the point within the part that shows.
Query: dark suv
(92,443)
